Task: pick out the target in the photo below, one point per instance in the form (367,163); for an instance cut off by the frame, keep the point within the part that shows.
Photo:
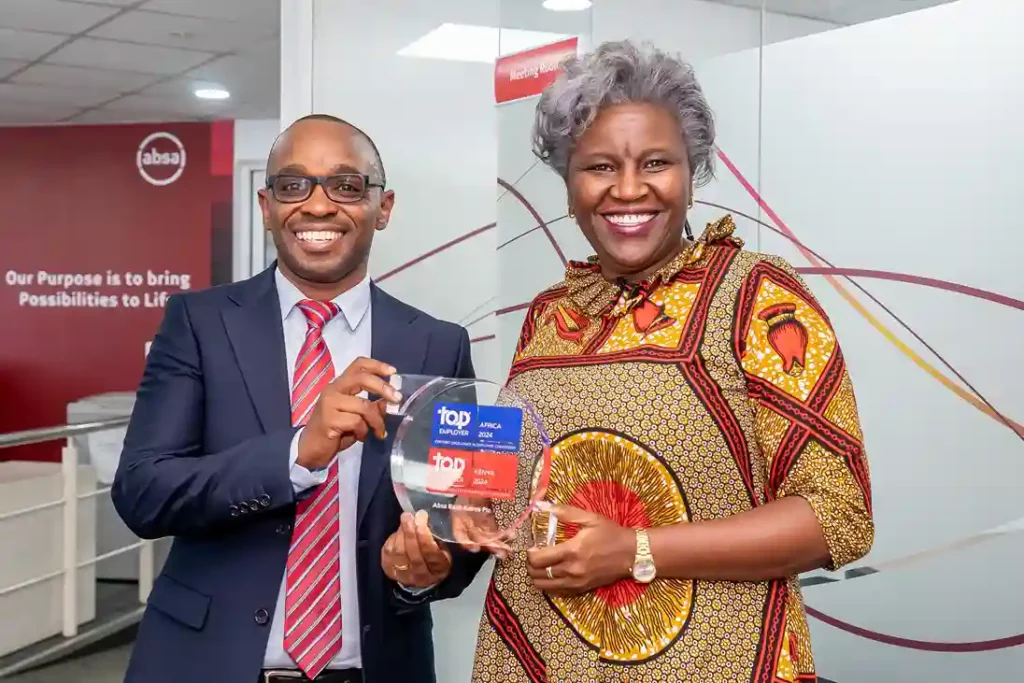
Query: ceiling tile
(264,96)
(9,66)
(190,33)
(252,81)
(837,11)
(240,71)
(266,13)
(752,4)
(169,105)
(56,16)
(27,45)
(27,121)
(72,76)
(48,94)
(807,9)
(109,116)
(179,107)
(186,87)
(253,110)
(870,10)
(108,54)
(27,113)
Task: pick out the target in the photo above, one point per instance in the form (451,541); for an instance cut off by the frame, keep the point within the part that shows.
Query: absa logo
(454,418)
(160,158)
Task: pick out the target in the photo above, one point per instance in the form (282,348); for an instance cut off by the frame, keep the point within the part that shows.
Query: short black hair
(378,163)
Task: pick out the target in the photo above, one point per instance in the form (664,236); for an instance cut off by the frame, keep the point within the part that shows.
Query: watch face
(644,571)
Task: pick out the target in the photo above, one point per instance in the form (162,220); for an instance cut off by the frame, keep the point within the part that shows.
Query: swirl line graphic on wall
(820,267)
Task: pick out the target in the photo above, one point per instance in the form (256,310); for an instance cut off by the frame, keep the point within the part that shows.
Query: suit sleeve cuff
(413,597)
(302,479)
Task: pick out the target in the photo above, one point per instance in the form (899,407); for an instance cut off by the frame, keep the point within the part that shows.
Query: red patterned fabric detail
(772,630)
(511,633)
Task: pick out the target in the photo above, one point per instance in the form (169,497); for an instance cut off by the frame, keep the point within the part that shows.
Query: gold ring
(550,575)
(400,567)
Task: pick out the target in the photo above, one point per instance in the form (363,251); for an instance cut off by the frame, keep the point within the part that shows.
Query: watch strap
(643,545)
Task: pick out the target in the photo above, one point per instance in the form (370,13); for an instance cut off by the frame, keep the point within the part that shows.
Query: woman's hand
(601,553)
(474,527)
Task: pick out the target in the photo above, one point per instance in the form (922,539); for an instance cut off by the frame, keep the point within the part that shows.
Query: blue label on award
(454,425)
(499,428)
(475,427)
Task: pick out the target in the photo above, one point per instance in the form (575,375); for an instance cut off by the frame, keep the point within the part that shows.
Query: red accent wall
(74,203)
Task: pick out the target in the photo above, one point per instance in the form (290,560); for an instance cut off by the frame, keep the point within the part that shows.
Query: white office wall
(697,28)
(436,124)
(253,138)
(437,128)
(715,38)
(433,122)
(902,159)
(880,156)
(897,161)
(252,142)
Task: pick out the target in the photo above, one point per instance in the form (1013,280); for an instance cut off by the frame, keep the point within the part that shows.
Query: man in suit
(259,442)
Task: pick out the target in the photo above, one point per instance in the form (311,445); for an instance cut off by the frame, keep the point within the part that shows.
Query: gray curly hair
(614,73)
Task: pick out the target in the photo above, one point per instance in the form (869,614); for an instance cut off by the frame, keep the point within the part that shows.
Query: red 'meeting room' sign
(526,74)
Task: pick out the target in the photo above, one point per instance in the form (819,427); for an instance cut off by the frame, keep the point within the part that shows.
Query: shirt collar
(353,303)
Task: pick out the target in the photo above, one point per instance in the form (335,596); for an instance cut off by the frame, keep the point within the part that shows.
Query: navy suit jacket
(206,461)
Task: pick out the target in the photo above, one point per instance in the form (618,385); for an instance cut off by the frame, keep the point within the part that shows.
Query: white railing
(69,501)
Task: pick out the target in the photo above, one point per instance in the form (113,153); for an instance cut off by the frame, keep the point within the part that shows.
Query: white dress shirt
(348,337)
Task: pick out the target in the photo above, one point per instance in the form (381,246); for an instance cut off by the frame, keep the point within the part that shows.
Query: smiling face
(629,186)
(323,246)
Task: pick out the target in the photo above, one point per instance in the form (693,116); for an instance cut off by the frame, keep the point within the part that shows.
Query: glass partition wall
(870,143)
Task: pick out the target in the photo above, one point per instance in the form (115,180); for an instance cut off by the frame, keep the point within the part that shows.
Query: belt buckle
(272,675)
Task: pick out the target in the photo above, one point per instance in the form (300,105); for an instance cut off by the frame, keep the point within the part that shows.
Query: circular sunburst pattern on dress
(619,479)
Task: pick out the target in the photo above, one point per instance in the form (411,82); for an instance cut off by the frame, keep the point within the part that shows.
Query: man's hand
(341,416)
(600,553)
(412,558)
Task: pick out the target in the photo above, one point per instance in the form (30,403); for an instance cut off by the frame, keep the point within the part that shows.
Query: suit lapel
(256,333)
(399,339)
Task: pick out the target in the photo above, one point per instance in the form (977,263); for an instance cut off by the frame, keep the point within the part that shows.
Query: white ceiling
(88,61)
(839,11)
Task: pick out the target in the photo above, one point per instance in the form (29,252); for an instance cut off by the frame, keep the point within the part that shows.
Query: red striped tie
(312,623)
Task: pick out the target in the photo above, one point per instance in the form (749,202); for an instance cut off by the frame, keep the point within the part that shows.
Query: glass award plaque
(474,455)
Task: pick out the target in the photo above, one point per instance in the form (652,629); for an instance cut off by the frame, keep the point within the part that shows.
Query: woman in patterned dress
(694,391)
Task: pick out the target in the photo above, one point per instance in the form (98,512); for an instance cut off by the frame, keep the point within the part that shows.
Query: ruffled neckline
(595,296)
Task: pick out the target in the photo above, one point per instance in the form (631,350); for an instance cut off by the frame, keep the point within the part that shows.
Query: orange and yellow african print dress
(713,387)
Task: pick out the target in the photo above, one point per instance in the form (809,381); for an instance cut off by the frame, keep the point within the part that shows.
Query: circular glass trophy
(474,455)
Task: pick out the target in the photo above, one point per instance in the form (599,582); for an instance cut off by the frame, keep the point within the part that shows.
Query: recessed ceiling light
(212,94)
(484,44)
(567,5)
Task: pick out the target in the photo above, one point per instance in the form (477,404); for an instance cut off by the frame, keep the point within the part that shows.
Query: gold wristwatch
(644,570)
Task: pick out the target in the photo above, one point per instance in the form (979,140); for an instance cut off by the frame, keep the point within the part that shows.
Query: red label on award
(494,475)
(486,474)
(446,469)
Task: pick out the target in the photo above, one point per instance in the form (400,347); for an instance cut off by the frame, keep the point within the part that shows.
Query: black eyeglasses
(344,188)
